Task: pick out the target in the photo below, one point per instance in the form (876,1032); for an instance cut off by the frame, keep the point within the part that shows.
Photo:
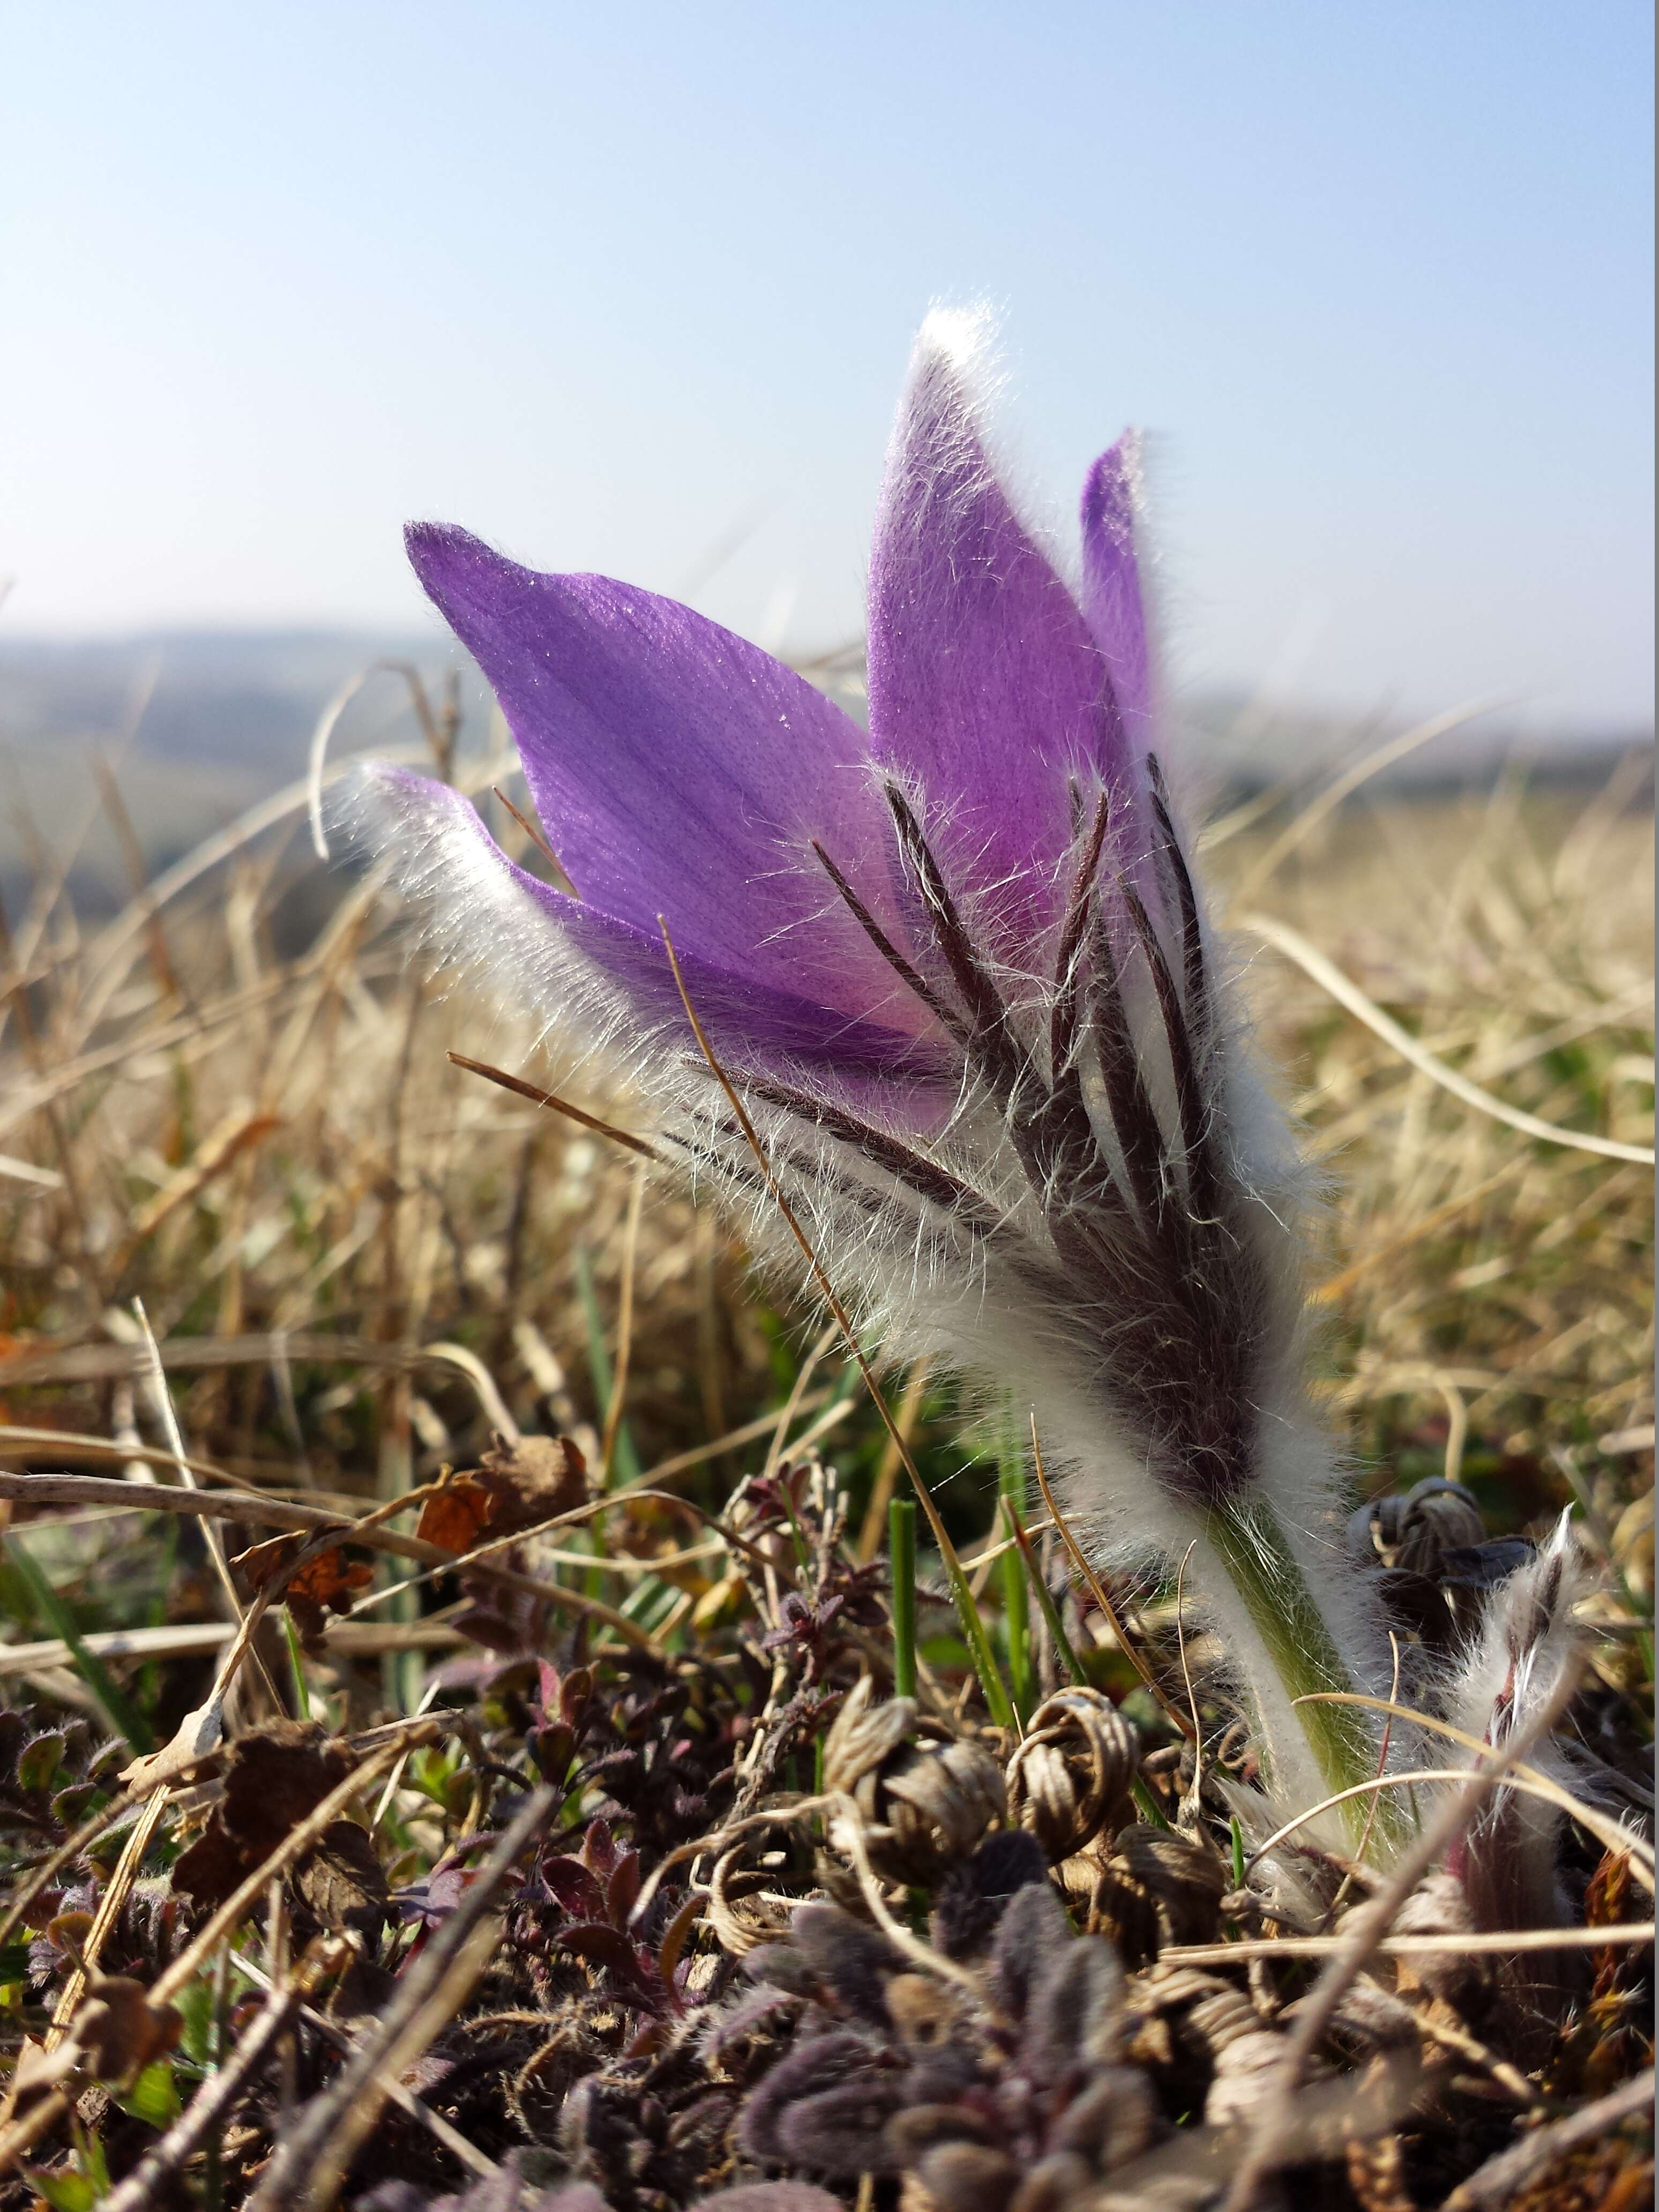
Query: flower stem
(1299,1645)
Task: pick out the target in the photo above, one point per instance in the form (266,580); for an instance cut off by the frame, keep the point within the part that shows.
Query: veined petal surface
(679,770)
(987,688)
(1112,596)
(499,914)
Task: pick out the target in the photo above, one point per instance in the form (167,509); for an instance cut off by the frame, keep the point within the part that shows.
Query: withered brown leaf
(341,1880)
(273,1777)
(455,1514)
(514,1486)
(329,1583)
(114,2035)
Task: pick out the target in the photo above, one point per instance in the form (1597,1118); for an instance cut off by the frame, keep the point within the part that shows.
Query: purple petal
(985,683)
(1111,585)
(681,771)
(500,915)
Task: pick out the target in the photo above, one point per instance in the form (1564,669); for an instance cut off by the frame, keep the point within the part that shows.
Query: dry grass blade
(827,1290)
(349,1302)
(328,721)
(1411,1779)
(116,1891)
(613,1416)
(1607,1833)
(1634,1935)
(561,877)
(311,2161)
(537,1097)
(299,1839)
(22,2134)
(1277,2121)
(191,1638)
(1501,2180)
(282,1513)
(1438,1216)
(1330,976)
(1097,1590)
(157,2171)
(1318,811)
(873,1530)
(468,2155)
(161,1399)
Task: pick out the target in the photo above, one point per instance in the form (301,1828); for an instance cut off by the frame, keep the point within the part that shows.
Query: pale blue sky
(609,285)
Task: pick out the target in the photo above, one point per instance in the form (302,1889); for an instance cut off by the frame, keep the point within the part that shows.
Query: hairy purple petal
(985,689)
(1112,595)
(1034,1938)
(965,971)
(679,770)
(498,913)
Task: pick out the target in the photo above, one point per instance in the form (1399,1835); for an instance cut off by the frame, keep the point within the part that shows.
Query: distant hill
(200,725)
(233,699)
(197,725)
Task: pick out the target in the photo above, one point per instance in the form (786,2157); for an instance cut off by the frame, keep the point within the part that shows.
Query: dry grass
(232,1104)
(266,1142)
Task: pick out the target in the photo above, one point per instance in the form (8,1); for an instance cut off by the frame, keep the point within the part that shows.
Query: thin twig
(1097,1590)
(161,1399)
(1185,1673)
(109,1908)
(213,2102)
(286,1513)
(405,2098)
(1488,1943)
(1607,1833)
(562,880)
(1382,1768)
(1347,993)
(22,2134)
(537,1097)
(613,1414)
(947,1550)
(309,2166)
(1501,2180)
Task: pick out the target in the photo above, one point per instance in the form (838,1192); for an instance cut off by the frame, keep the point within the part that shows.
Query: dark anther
(924,1176)
(890,952)
(1001,1062)
(1062,1027)
(1133,1117)
(1189,1102)
(1175,869)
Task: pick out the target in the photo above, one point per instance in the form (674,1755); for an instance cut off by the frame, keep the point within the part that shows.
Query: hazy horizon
(635,296)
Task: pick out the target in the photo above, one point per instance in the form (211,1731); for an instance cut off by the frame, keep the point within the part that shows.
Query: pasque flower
(958,968)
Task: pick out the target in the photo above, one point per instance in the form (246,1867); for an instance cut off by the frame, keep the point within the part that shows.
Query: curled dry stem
(1276,2123)
(1607,1833)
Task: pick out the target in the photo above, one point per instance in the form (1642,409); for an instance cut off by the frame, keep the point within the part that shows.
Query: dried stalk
(307,2172)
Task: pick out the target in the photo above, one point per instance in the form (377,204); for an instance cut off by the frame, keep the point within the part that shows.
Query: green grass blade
(296,1661)
(119,1709)
(901,1558)
(624,1457)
